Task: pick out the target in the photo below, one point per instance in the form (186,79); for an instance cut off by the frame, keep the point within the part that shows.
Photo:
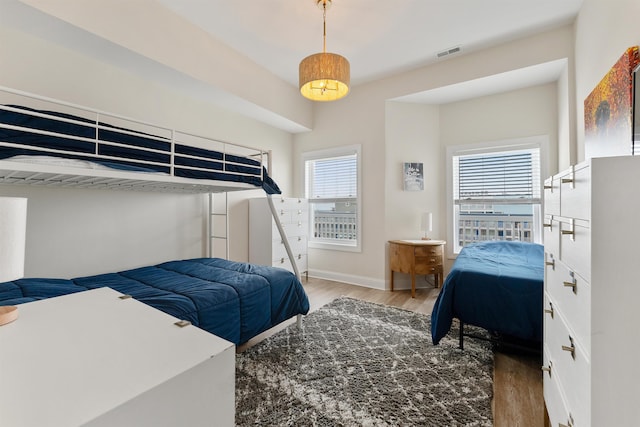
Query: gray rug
(361,364)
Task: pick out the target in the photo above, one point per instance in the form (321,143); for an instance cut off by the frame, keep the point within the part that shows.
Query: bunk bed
(46,142)
(498,286)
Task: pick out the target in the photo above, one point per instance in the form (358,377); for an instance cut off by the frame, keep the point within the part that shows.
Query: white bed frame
(72,174)
(79,175)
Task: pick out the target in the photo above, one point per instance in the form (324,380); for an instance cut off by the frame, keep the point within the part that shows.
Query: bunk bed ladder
(287,246)
(218,226)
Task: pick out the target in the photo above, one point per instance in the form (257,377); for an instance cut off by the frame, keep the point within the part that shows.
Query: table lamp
(13,231)
(426,225)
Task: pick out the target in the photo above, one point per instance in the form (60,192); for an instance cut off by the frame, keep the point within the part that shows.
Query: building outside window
(332,185)
(496,195)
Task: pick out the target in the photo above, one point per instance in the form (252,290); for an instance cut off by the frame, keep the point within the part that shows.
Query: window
(332,181)
(498,190)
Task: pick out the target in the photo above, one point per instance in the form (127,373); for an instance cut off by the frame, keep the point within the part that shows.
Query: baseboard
(399,283)
(366,282)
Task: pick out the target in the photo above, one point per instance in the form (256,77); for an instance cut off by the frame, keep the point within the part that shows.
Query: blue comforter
(233,300)
(495,285)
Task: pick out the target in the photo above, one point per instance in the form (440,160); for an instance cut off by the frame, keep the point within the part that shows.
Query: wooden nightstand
(417,257)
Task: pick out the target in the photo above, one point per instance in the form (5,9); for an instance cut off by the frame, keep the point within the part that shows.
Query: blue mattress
(495,285)
(233,300)
(79,141)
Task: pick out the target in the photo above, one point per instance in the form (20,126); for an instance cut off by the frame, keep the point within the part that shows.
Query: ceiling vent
(448,52)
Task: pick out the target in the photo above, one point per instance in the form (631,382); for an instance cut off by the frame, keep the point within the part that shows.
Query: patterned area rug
(361,364)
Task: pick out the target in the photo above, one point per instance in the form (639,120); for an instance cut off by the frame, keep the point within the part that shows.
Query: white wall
(603,32)
(83,232)
(366,117)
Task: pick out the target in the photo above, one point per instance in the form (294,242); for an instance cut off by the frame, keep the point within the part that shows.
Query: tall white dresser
(592,294)
(95,359)
(266,247)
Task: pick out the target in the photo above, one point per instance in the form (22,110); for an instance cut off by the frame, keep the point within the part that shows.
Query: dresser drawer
(428,269)
(572,373)
(284,262)
(551,226)
(575,248)
(573,302)
(429,260)
(425,251)
(552,196)
(575,193)
(554,396)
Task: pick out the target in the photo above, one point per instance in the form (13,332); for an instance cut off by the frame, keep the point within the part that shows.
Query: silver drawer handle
(548,187)
(552,263)
(569,232)
(570,348)
(569,422)
(547,368)
(573,285)
(548,225)
(549,310)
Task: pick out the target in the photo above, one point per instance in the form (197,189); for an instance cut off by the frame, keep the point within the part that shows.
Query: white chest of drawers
(265,244)
(592,294)
(93,359)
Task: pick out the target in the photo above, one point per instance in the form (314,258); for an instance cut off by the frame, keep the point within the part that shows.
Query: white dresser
(94,359)
(265,244)
(592,294)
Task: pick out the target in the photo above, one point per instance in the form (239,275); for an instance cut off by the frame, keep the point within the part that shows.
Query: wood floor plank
(518,400)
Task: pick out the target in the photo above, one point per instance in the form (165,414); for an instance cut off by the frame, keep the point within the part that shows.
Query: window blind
(334,178)
(510,176)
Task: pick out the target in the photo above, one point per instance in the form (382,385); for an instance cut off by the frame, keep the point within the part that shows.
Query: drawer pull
(571,231)
(299,256)
(281,260)
(570,348)
(551,263)
(571,179)
(547,368)
(573,285)
(569,422)
(550,226)
(548,187)
(549,310)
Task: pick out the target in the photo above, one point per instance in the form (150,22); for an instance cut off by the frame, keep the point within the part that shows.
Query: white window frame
(541,142)
(326,154)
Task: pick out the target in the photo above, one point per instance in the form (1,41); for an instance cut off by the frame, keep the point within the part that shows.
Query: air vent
(449,52)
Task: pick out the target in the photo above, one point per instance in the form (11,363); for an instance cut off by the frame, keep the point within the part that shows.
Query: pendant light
(324,76)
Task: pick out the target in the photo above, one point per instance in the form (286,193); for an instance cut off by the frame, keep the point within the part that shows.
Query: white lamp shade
(426,224)
(13,232)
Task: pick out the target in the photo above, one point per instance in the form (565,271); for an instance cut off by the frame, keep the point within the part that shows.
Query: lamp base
(8,314)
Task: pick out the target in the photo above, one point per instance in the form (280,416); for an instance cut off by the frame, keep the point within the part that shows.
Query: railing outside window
(335,225)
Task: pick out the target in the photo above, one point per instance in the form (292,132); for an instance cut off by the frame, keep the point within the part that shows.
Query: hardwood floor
(517,401)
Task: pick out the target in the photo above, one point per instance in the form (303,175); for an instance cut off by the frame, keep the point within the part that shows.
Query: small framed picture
(413,177)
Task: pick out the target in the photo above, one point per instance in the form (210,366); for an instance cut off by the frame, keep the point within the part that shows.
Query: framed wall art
(608,110)
(413,176)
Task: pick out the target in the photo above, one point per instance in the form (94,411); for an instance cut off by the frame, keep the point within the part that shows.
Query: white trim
(538,141)
(350,279)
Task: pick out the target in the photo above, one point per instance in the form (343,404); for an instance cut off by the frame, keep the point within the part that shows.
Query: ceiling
(379,38)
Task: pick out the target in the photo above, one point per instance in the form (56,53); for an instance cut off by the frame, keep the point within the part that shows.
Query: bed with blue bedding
(28,133)
(233,300)
(496,285)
